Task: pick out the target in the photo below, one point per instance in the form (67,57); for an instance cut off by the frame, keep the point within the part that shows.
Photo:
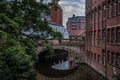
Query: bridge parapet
(76,54)
(68,48)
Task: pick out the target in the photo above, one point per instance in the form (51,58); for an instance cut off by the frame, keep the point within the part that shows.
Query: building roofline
(52,23)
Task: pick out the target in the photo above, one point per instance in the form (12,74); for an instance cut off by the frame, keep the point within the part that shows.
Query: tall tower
(56,13)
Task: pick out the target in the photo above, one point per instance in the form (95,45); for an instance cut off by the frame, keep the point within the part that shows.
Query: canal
(62,65)
(57,67)
(83,72)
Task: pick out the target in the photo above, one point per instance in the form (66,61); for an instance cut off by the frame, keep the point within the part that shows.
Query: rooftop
(76,32)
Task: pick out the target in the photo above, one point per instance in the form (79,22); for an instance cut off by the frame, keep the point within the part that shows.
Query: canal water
(61,66)
(83,72)
(60,69)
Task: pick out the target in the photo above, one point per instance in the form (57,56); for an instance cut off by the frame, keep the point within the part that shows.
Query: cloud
(82,1)
(68,9)
(71,7)
(81,6)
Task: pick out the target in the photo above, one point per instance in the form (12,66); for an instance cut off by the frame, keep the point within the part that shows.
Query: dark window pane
(108,35)
(103,34)
(118,59)
(108,57)
(118,6)
(118,35)
(112,57)
(112,35)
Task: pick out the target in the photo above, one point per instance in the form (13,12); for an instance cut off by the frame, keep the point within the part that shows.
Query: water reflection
(61,65)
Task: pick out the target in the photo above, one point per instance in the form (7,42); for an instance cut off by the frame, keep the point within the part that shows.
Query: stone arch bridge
(75,53)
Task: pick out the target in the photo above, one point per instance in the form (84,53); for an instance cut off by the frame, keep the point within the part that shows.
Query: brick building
(57,15)
(103,36)
(76,26)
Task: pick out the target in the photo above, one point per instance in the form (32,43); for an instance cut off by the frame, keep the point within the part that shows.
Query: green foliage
(10,26)
(17,49)
(50,48)
(29,46)
(14,63)
(3,6)
(56,34)
(3,35)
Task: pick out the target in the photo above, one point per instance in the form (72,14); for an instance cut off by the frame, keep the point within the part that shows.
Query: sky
(71,7)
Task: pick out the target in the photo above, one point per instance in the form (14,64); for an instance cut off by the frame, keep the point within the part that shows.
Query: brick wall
(95,36)
(57,15)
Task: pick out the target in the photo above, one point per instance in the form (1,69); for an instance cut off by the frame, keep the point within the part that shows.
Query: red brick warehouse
(103,23)
(57,14)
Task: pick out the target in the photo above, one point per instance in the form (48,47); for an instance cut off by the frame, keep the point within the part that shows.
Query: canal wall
(83,73)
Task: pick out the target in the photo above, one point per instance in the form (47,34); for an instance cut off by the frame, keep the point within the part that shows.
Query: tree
(21,24)
(57,35)
(15,64)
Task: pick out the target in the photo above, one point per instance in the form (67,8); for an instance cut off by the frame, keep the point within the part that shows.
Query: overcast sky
(71,7)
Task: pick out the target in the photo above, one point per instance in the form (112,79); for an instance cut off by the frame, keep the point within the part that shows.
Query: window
(98,58)
(103,57)
(98,14)
(94,15)
(103,34)
(94,37)
(108,35)
(118,59)
(112,58)
(108,56)
(112,35)
(82,25)
(90,21)
(118,6)
(104,12)
(74,20)
(73,23)
(98,37)
(114,9)
(91,55)
(88,54)
(118,35)
(109,10)
(74,27)
(94,56)
(90,38)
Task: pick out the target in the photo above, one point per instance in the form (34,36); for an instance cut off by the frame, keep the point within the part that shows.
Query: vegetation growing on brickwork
(21,27)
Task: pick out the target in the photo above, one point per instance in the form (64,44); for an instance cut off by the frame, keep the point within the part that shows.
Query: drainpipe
(105,42)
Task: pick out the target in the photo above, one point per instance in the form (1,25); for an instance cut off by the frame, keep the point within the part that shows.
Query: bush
(14,63)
